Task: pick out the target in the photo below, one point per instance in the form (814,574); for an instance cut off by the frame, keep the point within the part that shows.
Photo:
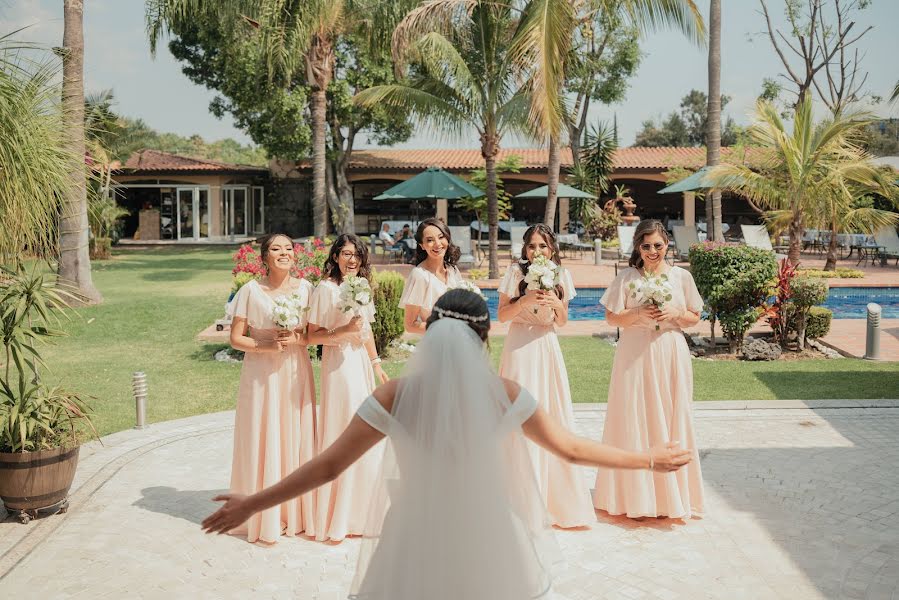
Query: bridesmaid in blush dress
(274,426)
(436,271)
(533,359)
(350,370)
(651,388)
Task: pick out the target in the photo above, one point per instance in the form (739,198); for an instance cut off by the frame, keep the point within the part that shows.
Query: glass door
(234,211)
(192,213)
(186,213)
(257,211)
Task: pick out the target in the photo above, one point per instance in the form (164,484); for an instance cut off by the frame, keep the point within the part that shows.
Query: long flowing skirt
(533,359)
(650,404)
(274,433)
(347,380)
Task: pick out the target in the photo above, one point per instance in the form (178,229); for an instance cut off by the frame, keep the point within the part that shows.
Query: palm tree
(463,74)
(34,157)
(74,259)
(298,37)
(895,95)
(809,175)
(713,127)
(558,27)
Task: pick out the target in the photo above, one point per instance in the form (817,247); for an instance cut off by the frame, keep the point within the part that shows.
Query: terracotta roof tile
(531,158)
(155,160)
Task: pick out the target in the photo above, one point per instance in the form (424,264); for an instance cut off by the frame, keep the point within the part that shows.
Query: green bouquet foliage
(734,280)
(388,326)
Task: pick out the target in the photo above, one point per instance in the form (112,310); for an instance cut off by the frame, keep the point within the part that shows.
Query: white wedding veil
(457,514)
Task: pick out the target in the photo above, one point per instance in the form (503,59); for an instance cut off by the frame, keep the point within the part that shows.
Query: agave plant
(33,415)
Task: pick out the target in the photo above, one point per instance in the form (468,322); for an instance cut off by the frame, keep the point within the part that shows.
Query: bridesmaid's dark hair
(266,241)
(524,264)
(647,227)
(332,267)
(452,251)
(465,303)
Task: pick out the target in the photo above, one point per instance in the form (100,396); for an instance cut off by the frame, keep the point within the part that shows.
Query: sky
(117,57)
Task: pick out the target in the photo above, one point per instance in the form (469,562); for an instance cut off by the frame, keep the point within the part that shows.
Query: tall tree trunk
(319,70)
(713,126)
(795,230)
(489,150)
(340,192)
(831,263)
(552,181)
(74,233)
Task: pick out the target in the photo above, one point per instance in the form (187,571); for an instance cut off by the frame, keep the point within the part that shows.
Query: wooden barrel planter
(37,481)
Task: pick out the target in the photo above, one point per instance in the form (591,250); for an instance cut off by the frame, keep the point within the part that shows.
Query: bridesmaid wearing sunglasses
(651,387)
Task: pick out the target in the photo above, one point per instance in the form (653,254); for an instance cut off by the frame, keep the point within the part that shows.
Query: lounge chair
(888,241)
(516,232)
(625,244)
(757,237)
(462,237)
(684,237)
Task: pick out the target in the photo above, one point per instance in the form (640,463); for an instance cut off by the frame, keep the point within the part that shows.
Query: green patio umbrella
(694,182)
(563,191)
(432,184)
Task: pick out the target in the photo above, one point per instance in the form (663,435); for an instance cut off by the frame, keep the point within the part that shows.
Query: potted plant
(40,425)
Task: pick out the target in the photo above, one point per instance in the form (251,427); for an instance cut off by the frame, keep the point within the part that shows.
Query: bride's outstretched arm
(355,441)
(546,431)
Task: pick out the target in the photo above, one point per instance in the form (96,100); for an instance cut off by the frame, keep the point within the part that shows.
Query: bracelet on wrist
(376,360)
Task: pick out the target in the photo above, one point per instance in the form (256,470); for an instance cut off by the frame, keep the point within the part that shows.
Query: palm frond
(655,15)
(419,103)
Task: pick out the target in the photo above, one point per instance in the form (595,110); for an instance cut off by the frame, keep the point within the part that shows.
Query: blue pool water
(846,303)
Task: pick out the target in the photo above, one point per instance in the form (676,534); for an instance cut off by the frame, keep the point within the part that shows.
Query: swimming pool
(845,302)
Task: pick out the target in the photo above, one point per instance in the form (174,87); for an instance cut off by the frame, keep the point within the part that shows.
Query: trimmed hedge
(734,281)
(817,323)
(387,287)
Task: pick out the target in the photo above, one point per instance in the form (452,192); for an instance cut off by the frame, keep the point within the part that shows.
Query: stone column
(443,210)
(216,227)
(689,209)
(563,214)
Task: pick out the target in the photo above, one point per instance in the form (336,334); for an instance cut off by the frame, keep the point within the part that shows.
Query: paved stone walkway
(802,504)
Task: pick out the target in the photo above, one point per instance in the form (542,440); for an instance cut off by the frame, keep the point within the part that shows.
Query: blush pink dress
(423,288)
(650,404)
(274,426)
(532,358)
(347,379)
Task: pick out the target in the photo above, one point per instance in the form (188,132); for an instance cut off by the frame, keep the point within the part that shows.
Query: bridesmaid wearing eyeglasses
(651,387)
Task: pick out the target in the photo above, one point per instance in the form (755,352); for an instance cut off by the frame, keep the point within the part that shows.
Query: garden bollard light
(597,252)
(139,387)
(872,338)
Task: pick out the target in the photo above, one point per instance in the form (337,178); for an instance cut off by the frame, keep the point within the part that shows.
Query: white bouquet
(287,311)
(467,285)
(354,293)
(543,274)
(651,289)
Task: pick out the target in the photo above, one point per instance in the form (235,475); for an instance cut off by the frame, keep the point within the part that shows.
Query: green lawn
(157,301)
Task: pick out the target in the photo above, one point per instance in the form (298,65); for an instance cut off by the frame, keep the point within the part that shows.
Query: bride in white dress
(457,513)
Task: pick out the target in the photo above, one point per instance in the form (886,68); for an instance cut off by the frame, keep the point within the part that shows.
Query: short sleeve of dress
(415,290)
(320,305)
(373,412)
(567,284)
(305,292)
(692,299)
(521,410)
(615,295)
(510,281)
(240,303)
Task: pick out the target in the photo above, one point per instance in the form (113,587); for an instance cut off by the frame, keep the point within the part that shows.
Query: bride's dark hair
(467,304)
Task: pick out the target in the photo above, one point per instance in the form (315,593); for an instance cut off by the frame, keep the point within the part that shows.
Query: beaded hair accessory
(462,317)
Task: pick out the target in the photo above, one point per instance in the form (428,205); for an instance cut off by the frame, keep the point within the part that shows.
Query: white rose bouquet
(465,284)
(354,293)
(651,289)
(287,311)
(543,274)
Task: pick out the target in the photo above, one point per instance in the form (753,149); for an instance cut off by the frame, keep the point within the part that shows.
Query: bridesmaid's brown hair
(647,227)
(524,264)
(332,268)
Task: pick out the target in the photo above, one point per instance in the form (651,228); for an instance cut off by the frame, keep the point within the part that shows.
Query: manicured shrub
(807,292)
(839,273)
(817,323)
(734,280)
(388,326)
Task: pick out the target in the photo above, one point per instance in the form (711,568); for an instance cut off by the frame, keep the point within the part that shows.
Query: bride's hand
(234,512)
(669,457)
(530,300)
